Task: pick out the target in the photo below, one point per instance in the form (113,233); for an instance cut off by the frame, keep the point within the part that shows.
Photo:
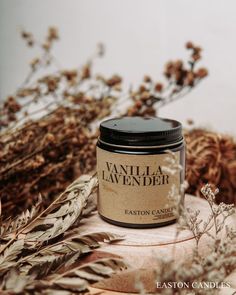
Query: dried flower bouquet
(45,149)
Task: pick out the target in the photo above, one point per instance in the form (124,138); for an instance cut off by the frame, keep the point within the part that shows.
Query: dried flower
(147,79)
(202,73)
(189,45)
(201,268)
(85,72)
(211,159)
(114,80)
(159,87)
(52,34)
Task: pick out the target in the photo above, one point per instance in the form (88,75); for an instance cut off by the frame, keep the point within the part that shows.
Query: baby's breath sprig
(221,258)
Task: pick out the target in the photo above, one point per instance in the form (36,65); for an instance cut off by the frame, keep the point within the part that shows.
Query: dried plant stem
(32,222)
(180,95)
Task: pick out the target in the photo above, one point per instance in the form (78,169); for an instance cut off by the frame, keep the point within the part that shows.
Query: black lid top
(140,131)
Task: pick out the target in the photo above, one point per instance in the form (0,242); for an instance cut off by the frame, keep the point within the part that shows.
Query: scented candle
(134,183)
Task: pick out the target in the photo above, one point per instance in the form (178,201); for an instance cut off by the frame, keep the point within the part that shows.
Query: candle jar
(134,173)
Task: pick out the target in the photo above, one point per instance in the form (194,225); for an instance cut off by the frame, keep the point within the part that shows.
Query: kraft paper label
(134,188)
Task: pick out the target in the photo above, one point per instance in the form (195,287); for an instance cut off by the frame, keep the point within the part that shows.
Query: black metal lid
(140,131)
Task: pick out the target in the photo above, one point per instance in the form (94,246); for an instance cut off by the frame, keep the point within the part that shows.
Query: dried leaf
(31,229)
(79,277)
(50,223)
(41,270)
(71,283)
(53,292)
(74,244)
(63,212)
(14,282)
(76,279)
(101,237)
(10,227)
(9,256)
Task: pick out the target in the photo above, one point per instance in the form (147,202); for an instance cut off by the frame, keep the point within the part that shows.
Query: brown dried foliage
(43,251)
(211,158)
(181,78)
(43,154)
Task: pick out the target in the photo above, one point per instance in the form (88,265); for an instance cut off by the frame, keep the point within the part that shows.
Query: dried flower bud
(175,90)
(169,68)
(114,80)
(117,87)
(189,45)
(69,75)
(178,65)
(145,96)
(142,88)
(50,138)
(202,73)
(28,38)
(85,72)
(25,35)
(190,121)
(158,87)
(39,159)
(74,140)
(179,77)
(12,105)
(167,74)
(34,62)
(138,104)
(189,80)
(46,46)
(196,56)
(52,85)
(51,82)
(11,117)
(197,49)
(30,43)
(53,33)
(147,79)
(132,111)
(52,154)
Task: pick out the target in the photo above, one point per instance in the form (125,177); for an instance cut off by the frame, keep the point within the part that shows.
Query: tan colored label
(134,188)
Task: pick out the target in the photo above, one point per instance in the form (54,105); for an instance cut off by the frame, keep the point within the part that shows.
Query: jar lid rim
(140,131)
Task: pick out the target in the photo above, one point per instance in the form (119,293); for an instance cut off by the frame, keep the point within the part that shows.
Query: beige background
(140,36)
